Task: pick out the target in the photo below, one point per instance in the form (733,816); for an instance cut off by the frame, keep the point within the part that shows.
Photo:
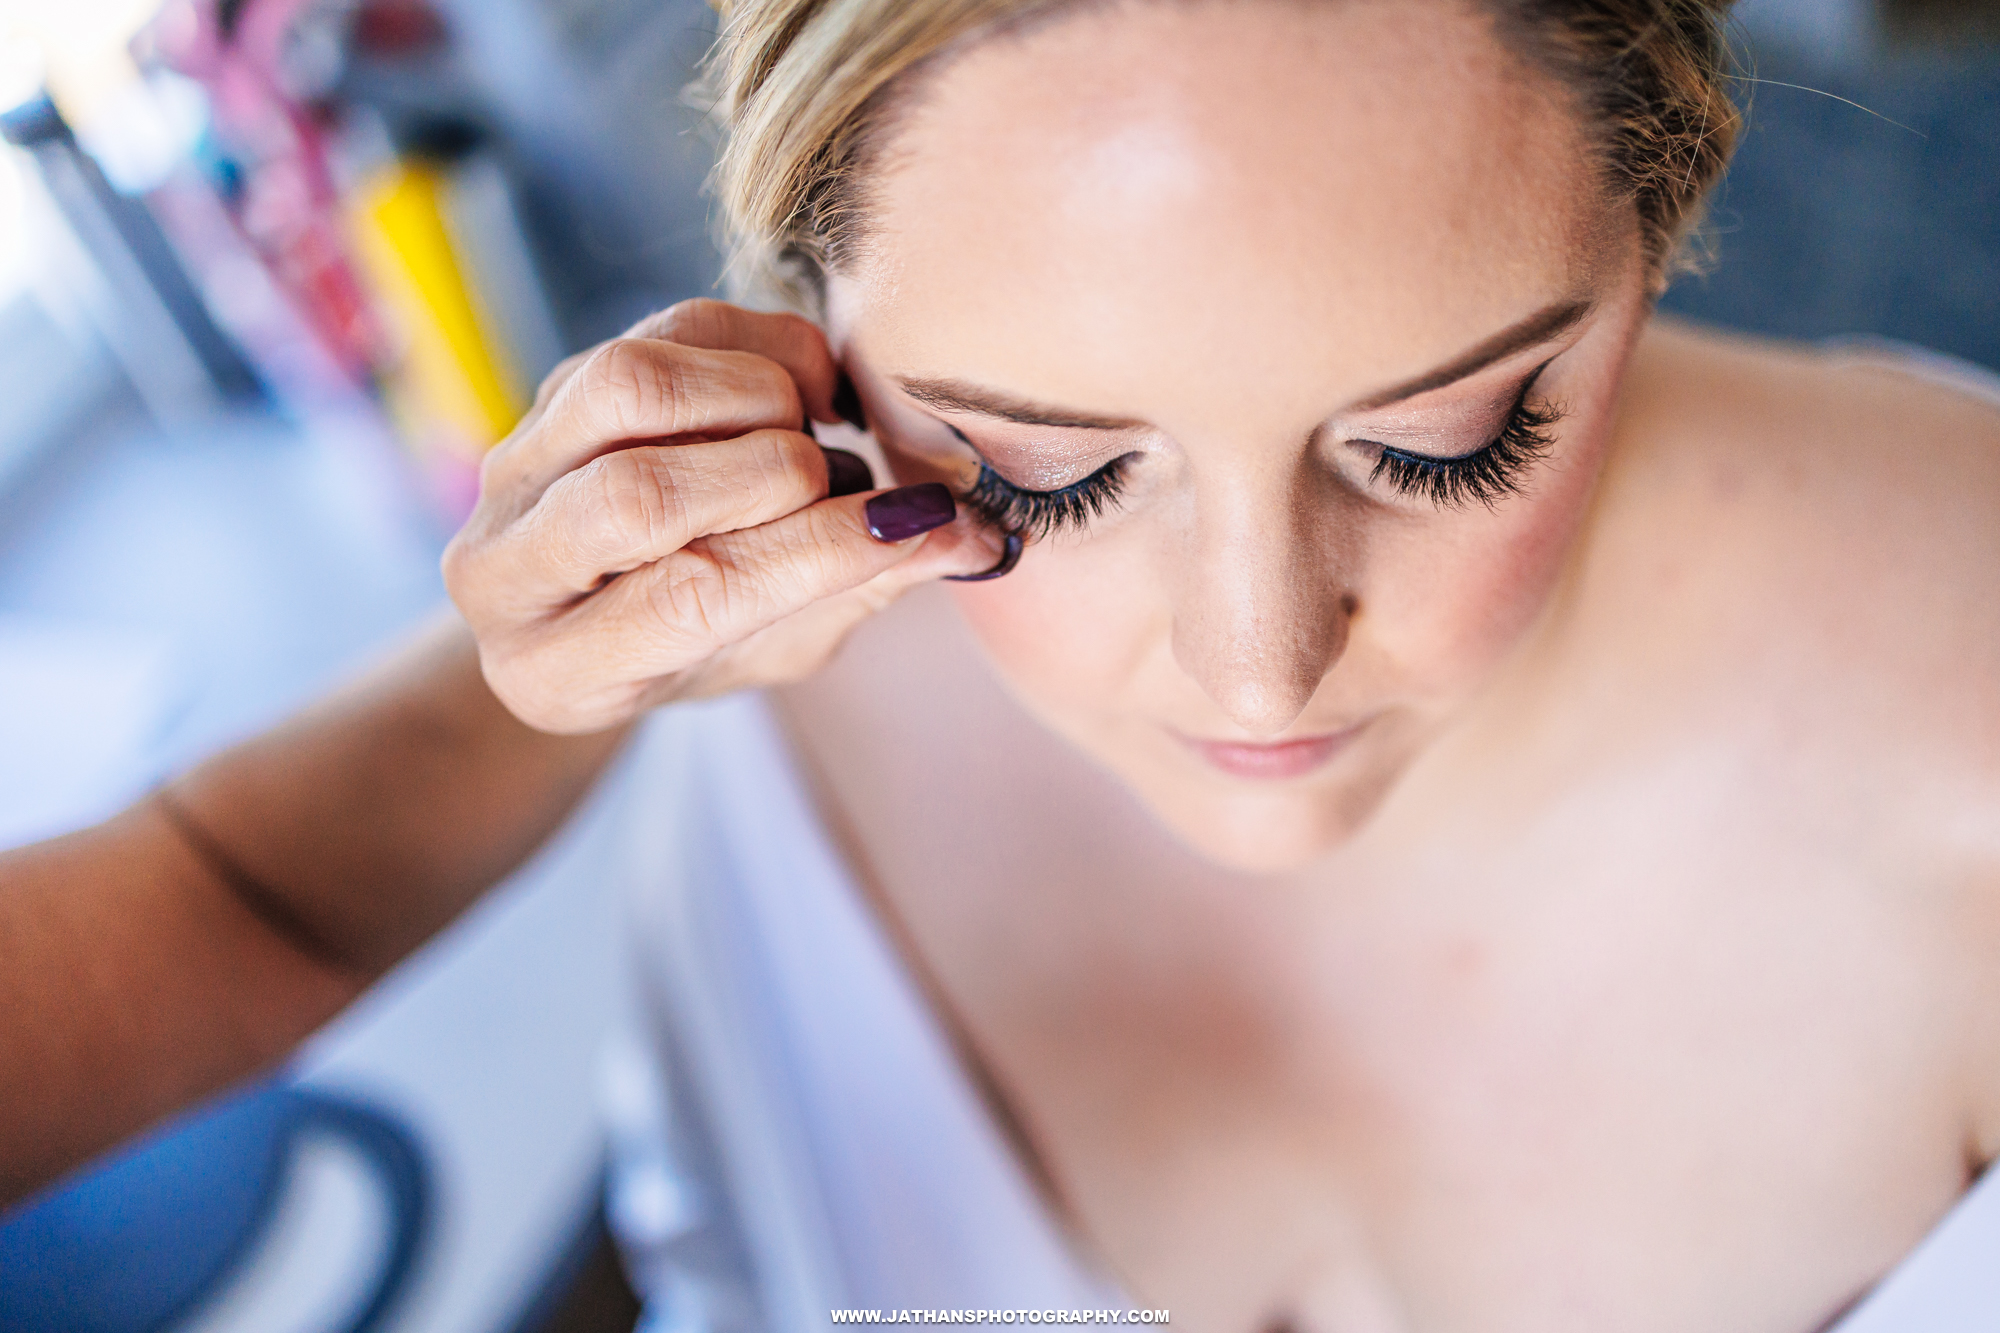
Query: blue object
(1836,220)
(143,1237)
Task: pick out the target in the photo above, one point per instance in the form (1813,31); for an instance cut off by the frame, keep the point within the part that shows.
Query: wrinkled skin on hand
(658,526)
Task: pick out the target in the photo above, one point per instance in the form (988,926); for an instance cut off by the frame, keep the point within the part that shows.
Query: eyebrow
(950,395)
(958,396)
(1545,324)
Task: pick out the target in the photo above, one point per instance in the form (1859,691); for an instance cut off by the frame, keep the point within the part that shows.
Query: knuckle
(467,565)
(791,565)
(786,466)
(626,503)
(755,590)
(634,388)
(768,383)
(493,464)
(690,603)
(500,468)
(798,331)
(823,552)
(455,566)
(651,503)
(629,387)
(556,683)
(699,322)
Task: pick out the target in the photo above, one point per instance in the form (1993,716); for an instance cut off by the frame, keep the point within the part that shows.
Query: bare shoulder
(1827,521)
(1842,481)
(1813,535)
(1854,443)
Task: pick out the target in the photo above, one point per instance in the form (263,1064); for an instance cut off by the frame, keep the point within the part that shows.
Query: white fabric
(1950,1283)
(834,1150)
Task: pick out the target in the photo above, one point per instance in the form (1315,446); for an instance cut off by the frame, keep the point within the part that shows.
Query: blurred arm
(200,934)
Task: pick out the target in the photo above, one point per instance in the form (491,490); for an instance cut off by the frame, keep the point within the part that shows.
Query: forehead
(1271,192)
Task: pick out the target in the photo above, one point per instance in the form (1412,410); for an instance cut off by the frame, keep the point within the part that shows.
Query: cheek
(1070,628)
(1446,612)
(1079,628)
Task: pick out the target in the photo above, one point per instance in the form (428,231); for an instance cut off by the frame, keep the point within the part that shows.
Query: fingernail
(847,403)
(847,473)
(901,514)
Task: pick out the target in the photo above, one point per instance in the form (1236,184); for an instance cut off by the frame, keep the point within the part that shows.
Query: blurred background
(273,274)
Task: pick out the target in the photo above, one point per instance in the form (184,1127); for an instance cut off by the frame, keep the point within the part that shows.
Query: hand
(659,527)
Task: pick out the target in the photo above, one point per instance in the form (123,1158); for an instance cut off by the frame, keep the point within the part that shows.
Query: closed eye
(1485,476)
(1040,513)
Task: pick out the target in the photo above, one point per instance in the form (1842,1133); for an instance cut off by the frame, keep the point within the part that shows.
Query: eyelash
(1038,513)
(1485,476)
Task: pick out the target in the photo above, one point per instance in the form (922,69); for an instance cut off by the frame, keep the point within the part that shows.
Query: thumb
(800,643)
(962,547)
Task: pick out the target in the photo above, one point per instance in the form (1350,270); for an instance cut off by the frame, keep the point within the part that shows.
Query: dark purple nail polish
(901,514)
(847,403)
(846,473)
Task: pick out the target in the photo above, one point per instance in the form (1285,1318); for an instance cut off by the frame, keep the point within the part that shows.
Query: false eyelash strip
(1040,513)
(1483,477)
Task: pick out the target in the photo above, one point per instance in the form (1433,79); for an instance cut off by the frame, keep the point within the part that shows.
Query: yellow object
(452,382)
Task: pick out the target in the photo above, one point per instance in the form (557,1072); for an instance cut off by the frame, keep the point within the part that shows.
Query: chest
(1657,1057)
(1637,1100)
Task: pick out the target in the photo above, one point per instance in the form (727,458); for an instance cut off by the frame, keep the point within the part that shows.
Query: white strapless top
(794,1134)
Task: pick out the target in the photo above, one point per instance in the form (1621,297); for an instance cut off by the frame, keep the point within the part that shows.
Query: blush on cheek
(1063,635)
(1522,567)
(1495,587)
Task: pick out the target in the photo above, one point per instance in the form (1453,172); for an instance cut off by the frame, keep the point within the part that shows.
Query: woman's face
(1273,267)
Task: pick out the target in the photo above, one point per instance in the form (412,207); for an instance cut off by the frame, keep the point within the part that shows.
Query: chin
(1284,828)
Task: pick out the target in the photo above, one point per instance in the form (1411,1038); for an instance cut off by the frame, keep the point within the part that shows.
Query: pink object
(289,206)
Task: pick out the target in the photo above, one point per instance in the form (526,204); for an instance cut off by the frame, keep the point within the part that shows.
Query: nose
(1262,609)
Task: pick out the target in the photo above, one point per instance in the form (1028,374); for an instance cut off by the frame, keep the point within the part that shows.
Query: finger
(632,507)
(790,340)
(720,590)
(962,544)
(788,649)
(617,652)
(795,343)
(796,645)
(634,390)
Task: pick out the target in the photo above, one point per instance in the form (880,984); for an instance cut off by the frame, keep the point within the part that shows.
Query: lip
(1271,760)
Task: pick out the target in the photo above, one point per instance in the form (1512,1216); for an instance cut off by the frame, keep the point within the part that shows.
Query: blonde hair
(802,90)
